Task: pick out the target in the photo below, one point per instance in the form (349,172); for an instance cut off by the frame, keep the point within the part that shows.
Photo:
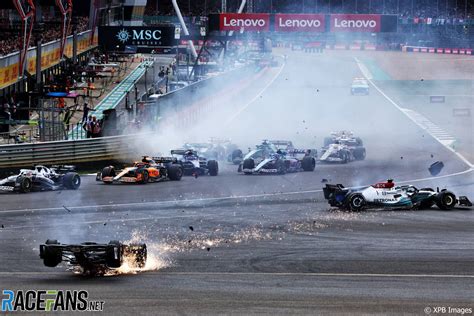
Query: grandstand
(45,39)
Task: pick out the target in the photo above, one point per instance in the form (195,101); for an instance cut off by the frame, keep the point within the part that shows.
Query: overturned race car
(42,178)
(144,171)
(91,258)
(278,156)
(387,195)
(342,147)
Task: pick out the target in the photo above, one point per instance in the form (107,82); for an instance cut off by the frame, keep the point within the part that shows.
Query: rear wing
(331,189)
(179,151)
(165,159)
(63,168)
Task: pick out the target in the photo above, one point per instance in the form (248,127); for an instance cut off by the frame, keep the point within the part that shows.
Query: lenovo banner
(299,23)
(356,23)
(245,21)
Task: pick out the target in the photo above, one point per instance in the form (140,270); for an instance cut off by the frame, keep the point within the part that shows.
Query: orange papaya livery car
(144,171)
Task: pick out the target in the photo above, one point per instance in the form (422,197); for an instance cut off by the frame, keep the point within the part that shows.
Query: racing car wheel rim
(357,202)
(448,200)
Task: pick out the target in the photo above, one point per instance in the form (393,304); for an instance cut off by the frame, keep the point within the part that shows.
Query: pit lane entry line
(368,76)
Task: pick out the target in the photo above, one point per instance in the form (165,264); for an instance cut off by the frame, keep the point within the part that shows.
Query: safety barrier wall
(50,56)
(173,105)
(63,152)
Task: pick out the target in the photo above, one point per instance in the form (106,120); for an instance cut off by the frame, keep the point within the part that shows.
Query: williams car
(278,156)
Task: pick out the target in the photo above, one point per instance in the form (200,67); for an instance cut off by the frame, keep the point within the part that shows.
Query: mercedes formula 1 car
(217,149)
(144,171)
(359,86)
(278,156)
(42,178)
(193,164)
(387,195)
(342,147)
(93,258)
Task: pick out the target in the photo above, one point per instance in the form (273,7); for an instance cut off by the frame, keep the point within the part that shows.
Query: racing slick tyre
(356,202)
(344,157)
(236,156)
(138,252)
(248,164)
(145,176)
(359,153)
(52,256)
(308,164)
(446,200)
(25,184)
(213,167)
(175,172)
(359,141)
(72,181)
(108,172)
(281,167)
(113,254)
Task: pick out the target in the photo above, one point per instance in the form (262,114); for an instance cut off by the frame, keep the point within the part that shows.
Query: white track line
(366,73)
(243,108)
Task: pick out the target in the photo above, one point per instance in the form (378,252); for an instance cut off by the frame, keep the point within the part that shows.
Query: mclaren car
(147,170)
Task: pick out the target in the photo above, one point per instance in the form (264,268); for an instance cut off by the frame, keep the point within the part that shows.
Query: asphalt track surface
(267,244)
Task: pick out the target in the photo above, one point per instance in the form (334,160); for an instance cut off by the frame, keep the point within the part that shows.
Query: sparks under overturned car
(144,171)
(93,258)
(278,156)
(42,178)
(387,195)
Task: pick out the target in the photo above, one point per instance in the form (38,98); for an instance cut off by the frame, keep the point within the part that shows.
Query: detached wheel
(446,200)
(175,172)
(308,164)
(213,168)
(356,202)
(25,184)
(72,181)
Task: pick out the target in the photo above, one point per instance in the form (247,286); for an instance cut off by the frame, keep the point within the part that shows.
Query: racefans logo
(49,300)
(139,37)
